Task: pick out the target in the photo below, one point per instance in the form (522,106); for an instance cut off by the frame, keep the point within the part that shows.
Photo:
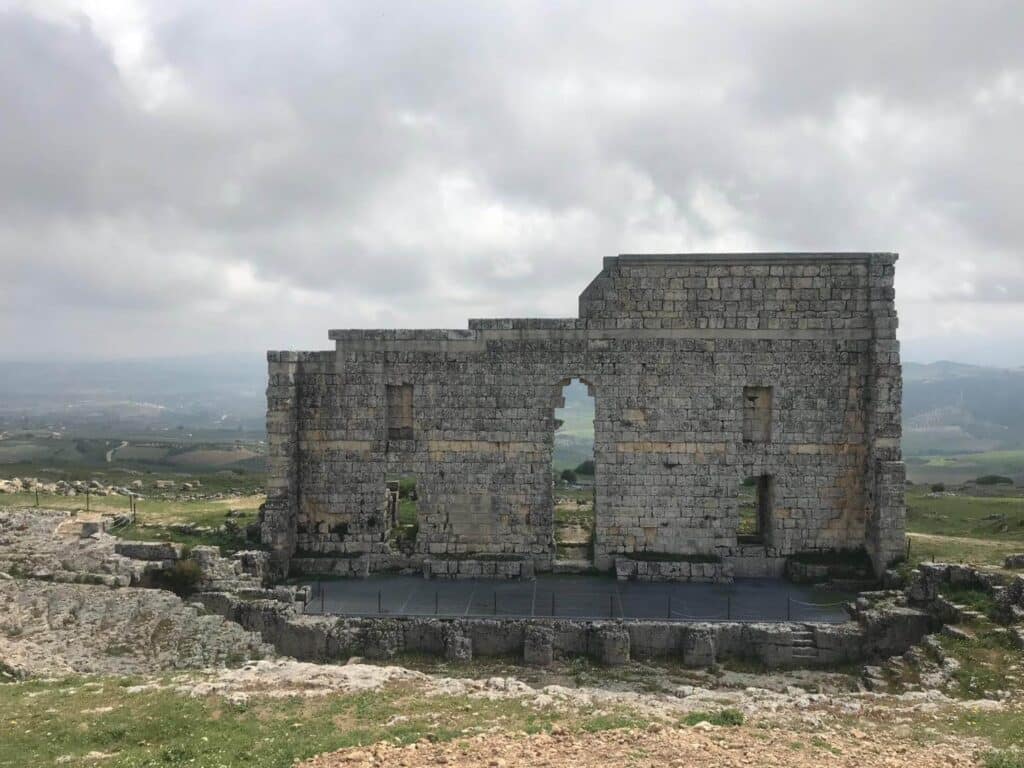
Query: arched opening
(573,474)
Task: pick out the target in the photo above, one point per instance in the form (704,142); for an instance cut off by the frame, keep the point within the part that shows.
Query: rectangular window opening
(755,508)
(399,411)
(757,414)
(402,512)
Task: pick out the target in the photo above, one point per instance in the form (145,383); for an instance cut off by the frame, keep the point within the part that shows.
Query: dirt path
(112,451)
(700,745)
(937,538)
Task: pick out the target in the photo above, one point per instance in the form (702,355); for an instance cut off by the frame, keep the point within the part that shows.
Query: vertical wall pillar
(277,529)
(885,530)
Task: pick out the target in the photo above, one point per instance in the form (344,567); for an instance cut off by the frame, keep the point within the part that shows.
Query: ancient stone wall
(873,633)
(669,346)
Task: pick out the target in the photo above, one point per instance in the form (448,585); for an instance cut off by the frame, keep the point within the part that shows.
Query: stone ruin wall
(667,345)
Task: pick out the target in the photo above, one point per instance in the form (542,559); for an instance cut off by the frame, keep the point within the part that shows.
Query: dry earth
(702,744)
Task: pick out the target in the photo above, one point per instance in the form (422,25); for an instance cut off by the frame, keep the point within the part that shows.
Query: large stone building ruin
(707,370)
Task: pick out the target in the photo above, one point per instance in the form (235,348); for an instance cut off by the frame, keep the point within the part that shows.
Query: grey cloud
(411,163)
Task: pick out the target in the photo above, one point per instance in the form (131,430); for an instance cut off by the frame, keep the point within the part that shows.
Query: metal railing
(675,609)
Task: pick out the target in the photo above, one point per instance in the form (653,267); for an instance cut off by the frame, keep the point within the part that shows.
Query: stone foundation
(876,631)
(627,569)
(457,568)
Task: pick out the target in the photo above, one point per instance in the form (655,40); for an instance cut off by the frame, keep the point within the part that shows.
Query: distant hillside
(197,392)
(955,408)
(574,440)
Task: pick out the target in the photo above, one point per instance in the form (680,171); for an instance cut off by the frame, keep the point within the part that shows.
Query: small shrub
(724,717)
(569,476)
(938,487)
(994,480)
(407,488)
(182,579)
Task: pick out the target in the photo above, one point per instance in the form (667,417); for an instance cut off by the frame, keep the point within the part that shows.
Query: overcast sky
(199,177)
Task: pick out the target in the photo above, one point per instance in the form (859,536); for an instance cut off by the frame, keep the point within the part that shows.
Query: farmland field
(960,468)
(173,451)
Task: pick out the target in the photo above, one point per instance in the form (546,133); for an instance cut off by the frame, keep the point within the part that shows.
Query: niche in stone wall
(757,414)
(399,411)
(755,510)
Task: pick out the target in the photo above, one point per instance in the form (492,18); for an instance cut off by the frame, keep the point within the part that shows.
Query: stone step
(571,566)
(956,632)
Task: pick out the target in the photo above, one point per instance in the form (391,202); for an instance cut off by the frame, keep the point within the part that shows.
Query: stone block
(538,645)
(149,550)
(610,644)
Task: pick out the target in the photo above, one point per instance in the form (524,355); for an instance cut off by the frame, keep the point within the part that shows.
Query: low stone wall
(817,573)
(628,569)
(753,563)
(457,568)
(351,567)
(875,632)
(927,580)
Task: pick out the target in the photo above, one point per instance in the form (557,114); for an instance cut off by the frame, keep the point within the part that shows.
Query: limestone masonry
(707,370)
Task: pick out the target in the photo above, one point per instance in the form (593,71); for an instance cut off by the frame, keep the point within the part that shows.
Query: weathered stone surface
(879,632)
(628,569)
(610,644)
(1015,560)
(669,346)
(457,645)
(699,646)
(149,550)
(51,629)
(538,645)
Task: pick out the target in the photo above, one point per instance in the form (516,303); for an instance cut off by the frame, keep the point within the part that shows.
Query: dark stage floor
(585,597)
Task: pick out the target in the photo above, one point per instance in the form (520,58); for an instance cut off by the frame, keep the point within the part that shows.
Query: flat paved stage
(582,597)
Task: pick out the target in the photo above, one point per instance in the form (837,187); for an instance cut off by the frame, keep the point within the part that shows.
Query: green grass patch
(228,542)
(975,599)
(988,663)
(723,717)
(942,549)
(60,722)
(1003,758)
(1004,729)
(985,517)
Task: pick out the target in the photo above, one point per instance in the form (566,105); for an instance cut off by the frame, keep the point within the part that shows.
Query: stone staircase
(803,644)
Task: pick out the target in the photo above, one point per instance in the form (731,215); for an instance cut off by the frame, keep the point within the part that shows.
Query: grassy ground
(998,519)
(961,527)
(154,516)
(62,722)
(157,452)
(112,474)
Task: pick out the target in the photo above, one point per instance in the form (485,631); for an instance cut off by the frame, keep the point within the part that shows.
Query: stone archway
(574,474)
